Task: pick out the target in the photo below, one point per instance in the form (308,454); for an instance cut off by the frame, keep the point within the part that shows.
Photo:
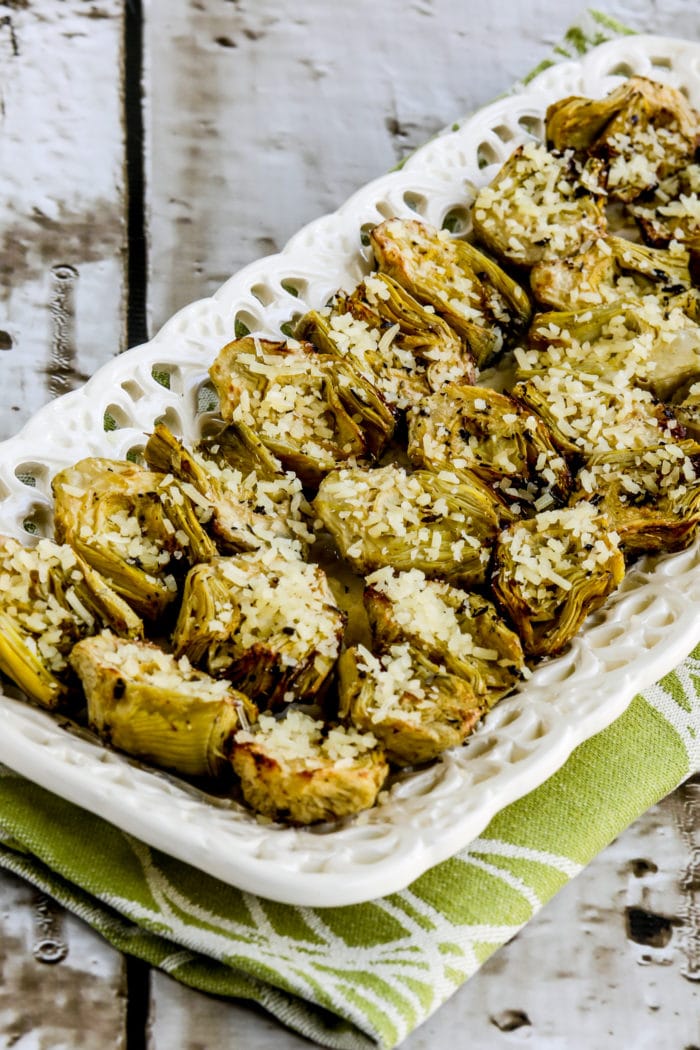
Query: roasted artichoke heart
(643,131)
(413,706)
(441,523)
(613,268)
(298,770)
(145,702)
(587,414)
(49,599)
(311,410)
(403,349)
(540,205)
(552,570)
(462,632)
(133,526)
(672,212)
(244,510)
(646,341)
(266,621)
(510,448)
(650,497)
(472,293)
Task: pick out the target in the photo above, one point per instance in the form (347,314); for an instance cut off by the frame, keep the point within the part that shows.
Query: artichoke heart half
(133,526)
(302,771)
(471,292)
(643,131)
(540,205)
(442,523)
(49,599)
(552,570)
(613,268)
(460,631)
(266,621)
(411,704)
(311,410)
(246,507)
(398,345)
(507,446)
(145,702)
(650,497)
(646,341)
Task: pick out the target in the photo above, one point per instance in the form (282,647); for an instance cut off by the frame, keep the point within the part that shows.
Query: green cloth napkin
(366,975)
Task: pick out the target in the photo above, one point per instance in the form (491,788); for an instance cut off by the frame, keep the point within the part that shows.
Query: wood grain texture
(61,316)
(61,199)
(60,987)
(265,116)
(182,1019)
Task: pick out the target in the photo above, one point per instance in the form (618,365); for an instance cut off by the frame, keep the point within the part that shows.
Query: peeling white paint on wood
(60,989)
(183,1019)
(265,116)
(61,199)
(61,316)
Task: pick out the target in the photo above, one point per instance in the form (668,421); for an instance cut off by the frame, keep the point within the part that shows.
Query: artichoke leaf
(247,511)
(668,270)
(132,525)
(651,342)
(671,214)
(540,205)
(236,445)
(577,280)
(103,603)
(650,497)
(25,668)
(613,268)
(588,413)
(643,131)
(403,349)
(146,594)
(49,600)
(461,631)
(687,412)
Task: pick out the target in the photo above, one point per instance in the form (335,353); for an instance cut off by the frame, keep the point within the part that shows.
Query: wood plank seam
(137,291)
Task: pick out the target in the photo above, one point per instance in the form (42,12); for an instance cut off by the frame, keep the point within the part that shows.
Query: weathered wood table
(147,153)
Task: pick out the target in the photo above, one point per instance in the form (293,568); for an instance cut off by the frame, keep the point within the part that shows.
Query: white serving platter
(646,628)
